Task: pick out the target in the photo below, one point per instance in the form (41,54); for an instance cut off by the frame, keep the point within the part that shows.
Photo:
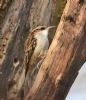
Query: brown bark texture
(17,18)
(66,55)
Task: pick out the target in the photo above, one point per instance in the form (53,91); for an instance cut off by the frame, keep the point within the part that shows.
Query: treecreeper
(36,47)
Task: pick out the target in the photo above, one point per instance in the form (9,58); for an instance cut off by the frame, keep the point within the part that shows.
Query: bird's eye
(42,28)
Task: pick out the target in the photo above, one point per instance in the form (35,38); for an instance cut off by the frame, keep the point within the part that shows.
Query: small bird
(36,45)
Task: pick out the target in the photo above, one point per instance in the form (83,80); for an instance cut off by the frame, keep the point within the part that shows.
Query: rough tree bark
(12,28)
(16,18)
(66,55)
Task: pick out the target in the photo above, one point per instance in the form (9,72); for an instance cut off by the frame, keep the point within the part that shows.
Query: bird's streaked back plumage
(35,46)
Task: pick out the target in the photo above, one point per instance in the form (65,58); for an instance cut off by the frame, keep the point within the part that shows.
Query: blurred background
(78,89)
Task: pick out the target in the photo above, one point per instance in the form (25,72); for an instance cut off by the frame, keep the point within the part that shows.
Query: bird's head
(42,30)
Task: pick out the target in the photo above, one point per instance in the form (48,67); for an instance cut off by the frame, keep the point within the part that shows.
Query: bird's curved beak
(51,27)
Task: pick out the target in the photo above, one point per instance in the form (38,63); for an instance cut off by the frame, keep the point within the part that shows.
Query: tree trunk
(16,18)
(12,28)
(66,55)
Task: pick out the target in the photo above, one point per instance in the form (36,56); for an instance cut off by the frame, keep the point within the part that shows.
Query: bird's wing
(29,47)
(30,61)
(34,66)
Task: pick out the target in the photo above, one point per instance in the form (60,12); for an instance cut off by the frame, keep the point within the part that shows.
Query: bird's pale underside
(36,47)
